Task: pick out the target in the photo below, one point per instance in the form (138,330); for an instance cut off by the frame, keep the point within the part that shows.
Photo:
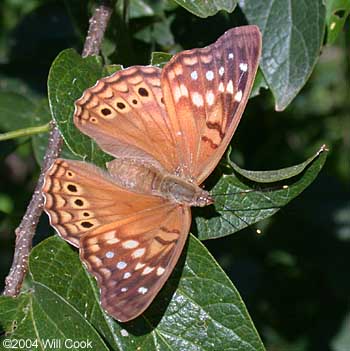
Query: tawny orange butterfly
(167,130)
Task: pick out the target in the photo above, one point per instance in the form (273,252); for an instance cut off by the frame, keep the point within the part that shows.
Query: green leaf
(207,8)
(292,38)
(198,309)
(159,59)
(159,32)
(337,11)
(16,111)
(138,8)
(41,315)
(244,197)
(276,175)
(42,115)
(69,76)
(110,69)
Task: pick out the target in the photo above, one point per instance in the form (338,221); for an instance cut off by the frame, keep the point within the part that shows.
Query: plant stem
(26,230)
(25,132)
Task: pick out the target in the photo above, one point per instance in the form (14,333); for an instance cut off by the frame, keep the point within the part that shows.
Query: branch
(26,230)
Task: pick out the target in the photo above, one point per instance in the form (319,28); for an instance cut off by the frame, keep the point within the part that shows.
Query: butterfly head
(203,199)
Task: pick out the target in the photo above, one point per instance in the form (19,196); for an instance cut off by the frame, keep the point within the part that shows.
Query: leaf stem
(25,132)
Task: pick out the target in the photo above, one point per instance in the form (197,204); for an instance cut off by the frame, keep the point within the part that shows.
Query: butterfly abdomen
(145,178)
(136,175)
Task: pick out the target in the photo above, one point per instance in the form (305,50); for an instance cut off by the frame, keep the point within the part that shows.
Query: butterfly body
(138,176)
(167,130)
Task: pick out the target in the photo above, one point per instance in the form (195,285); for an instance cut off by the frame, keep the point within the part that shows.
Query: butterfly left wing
(124,113)
(205,93)
(80,197)
(133,258)
(129,241)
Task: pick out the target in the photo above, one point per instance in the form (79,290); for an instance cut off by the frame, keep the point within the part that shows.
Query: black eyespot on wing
(121,105)
(106,111)
(86,224)
(72,188)
(143,92)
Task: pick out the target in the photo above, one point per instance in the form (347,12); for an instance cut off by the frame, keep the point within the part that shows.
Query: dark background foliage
(294,277)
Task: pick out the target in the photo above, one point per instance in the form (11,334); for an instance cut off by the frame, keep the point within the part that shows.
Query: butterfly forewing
(124,113)
(205,92)
(133,258)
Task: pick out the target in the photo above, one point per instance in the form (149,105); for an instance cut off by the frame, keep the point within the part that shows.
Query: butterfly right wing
(205,92)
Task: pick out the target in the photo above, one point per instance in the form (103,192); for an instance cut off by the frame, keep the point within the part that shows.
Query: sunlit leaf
(292,38)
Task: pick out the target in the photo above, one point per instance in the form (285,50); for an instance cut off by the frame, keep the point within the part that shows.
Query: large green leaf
(198,309)
(247,197)
(69,76)
(205,9)
(292,38)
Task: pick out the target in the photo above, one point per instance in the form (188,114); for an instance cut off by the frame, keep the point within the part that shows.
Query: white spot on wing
(230,56)
(112,241)
(229,87)
(183,89)
(194,75)
(121,265)
(210,98)
(209,75)
(221,70)
(139,266)
(160,270)
(138,253)
(238,96)
(109,254)
(221,87)
(124,289)
(126,275)
(197,99)
(177,94)
(142,290)
(147,270)
(130,244)
(243,67)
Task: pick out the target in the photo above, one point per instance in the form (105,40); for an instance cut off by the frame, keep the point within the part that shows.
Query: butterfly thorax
(184,192)
(147,178)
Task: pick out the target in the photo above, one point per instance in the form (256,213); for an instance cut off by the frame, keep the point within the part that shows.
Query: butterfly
(167,130)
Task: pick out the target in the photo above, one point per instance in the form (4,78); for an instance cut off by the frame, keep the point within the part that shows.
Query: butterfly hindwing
(205,92)
(133,258)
